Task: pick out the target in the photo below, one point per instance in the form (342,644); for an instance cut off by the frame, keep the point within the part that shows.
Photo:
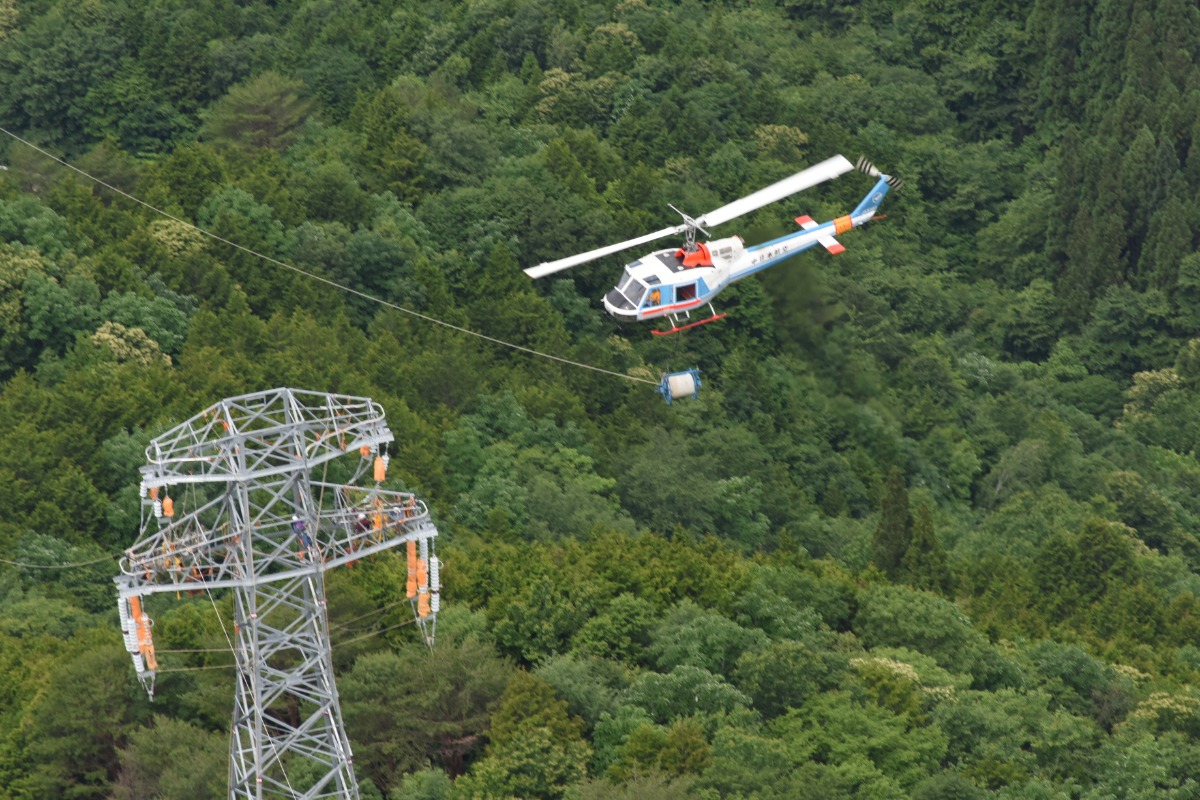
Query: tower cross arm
(263,434)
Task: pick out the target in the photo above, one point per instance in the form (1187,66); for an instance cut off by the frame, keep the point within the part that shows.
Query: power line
(334,645)
(27,565)
(160,671)
(322,279)
(345,642)
(346,622)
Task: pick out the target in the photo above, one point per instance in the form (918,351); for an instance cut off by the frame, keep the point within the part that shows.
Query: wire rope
(320,278)
(74,565)
(300,271)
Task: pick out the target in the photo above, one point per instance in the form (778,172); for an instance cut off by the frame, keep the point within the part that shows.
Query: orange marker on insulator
(423,605)
(145,642)
(153,492)
(422,574)
(411,588)
(168,507)
(380,469)
(135,612)
(365,451)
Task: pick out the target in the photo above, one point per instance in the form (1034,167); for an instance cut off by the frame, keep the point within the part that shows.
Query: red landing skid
(696,324)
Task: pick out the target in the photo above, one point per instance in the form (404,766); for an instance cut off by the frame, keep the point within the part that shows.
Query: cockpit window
(634,292)
(627,295)
(631,288)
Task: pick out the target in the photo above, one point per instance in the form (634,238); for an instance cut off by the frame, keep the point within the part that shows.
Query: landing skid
(696,324)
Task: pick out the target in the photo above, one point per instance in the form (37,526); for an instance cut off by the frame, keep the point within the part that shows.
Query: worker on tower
(305,539)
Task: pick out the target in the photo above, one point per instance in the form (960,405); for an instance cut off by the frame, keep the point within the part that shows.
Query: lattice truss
(229,501)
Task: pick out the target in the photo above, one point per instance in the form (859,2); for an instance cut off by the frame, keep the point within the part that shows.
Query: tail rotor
(867,167)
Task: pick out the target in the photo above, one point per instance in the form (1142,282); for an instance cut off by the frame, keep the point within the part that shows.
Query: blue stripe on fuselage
(781,239)
(773,260)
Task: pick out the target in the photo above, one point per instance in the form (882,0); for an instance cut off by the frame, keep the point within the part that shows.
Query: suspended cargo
(675,385)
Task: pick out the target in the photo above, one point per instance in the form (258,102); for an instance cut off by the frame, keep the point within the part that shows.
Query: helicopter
(673,283)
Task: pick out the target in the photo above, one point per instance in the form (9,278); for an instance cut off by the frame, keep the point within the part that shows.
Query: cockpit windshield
(632,288)
(627,294)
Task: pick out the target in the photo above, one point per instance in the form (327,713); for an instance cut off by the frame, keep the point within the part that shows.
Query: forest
(930,530)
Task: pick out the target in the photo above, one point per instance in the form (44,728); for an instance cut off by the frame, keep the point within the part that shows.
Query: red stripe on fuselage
(660,310)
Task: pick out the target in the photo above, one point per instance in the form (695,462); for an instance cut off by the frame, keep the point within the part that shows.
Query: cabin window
(634,292)
(688,292)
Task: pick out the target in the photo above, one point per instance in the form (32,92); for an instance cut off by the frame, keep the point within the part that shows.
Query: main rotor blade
(827,170)
(582,258)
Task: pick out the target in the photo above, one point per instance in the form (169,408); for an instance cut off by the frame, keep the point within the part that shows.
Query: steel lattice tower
(230,501)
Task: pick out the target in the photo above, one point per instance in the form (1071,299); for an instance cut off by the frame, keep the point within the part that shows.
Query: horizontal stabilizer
(828,242)
(832,245)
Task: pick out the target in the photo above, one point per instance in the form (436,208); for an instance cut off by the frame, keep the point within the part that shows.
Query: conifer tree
(924,562)
(893,535)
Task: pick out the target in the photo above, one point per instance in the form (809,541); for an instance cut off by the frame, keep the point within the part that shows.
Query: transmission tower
(230,500)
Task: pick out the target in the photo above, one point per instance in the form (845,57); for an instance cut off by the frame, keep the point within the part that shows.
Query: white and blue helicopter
(675,282)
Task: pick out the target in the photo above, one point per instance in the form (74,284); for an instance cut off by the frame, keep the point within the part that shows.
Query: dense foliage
(929,531)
